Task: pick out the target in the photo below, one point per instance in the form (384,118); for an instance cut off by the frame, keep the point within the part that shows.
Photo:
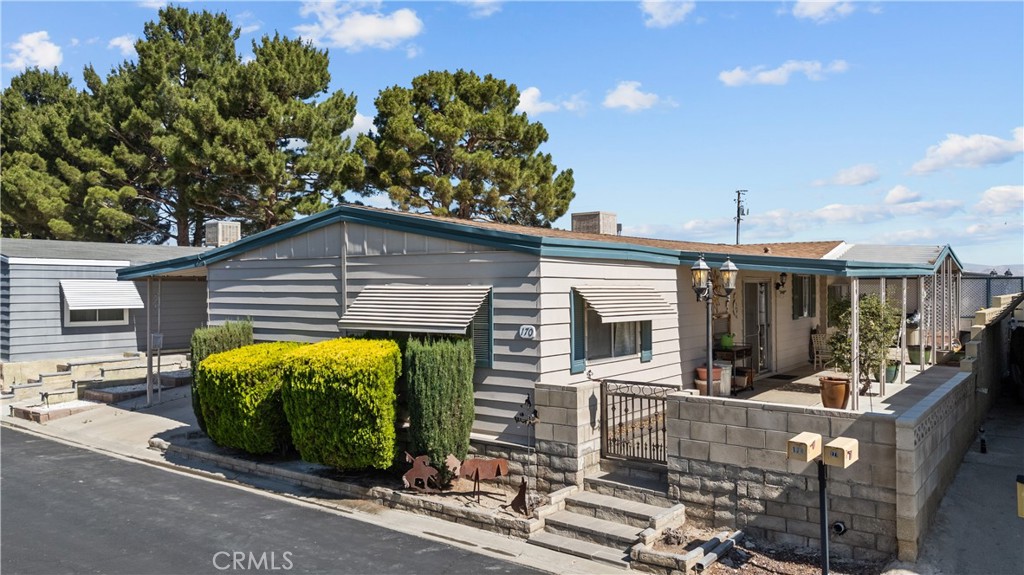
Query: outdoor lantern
(729,272)
(700,273)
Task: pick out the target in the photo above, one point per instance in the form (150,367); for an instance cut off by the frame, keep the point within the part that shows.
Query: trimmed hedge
(339,397)
(240,394)
(210,340)
(440,380)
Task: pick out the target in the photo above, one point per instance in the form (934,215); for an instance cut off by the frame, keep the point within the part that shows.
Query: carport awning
(101,294)
(414,309)
(616,304)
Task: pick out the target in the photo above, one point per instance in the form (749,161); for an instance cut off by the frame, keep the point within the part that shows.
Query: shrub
(339,397)
(241,397)
(440,380)
(215,339)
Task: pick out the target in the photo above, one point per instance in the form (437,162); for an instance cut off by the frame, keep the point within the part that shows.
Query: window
(805,295)
(91,317)
(593,338)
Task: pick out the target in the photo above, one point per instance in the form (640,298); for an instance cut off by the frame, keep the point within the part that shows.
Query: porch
(800,387)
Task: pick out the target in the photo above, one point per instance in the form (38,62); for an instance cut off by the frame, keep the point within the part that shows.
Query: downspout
(903,335)
(881,368)
(921,324)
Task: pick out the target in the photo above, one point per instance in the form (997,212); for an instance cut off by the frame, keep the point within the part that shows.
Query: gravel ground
(752,558)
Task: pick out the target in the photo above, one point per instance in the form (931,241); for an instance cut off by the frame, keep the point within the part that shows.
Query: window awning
(414,309)
(101,294)
(616,304)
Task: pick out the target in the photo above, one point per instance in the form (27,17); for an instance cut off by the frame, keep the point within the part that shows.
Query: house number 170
(527,332)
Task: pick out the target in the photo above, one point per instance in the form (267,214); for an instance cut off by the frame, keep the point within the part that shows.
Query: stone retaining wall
(727,463)
(568,434)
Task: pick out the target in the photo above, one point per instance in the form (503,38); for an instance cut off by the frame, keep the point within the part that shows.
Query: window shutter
(796,287)
(646,345)
(577,331)
(483,330)
(812,282)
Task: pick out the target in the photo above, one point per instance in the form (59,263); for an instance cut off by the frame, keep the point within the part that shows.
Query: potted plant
(879,325)
(892,369)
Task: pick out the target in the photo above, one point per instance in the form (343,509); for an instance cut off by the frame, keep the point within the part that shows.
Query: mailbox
(841,452)
(804,447)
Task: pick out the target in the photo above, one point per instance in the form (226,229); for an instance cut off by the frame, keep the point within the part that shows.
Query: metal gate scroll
(633,420)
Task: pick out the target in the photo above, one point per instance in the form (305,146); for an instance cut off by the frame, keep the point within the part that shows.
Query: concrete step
(57,378)
(635,513)
(580,548)
(629,488)
(599,531)
(55,396)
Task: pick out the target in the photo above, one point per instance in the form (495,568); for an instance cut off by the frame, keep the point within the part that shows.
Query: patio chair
(819,345)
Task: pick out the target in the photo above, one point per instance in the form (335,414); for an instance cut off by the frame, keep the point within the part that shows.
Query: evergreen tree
(453,144)
(54,167)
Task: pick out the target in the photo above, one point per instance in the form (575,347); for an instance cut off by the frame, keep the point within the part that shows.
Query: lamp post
(700,275)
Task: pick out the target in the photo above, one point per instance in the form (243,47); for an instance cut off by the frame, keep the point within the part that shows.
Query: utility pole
(741,211)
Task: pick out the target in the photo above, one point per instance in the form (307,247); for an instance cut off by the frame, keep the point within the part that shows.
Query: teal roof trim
(524,243)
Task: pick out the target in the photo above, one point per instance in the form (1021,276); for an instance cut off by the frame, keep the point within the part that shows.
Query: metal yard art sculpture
(424,478)
(421,475)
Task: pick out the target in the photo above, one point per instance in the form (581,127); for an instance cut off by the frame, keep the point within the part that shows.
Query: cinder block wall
(932,437)
(727,463)
(568,434)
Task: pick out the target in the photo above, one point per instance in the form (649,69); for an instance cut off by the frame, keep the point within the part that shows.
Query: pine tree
(453,144)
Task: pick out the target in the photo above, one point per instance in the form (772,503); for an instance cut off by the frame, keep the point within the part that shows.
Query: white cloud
(972,151)
(74,42)
(126,44)
(530,102)
(821,11)
(34,49)
(1001,200)
(813,69)
(482,8)
(153,4)
(665,13)
(360,125)
(347,26)
(628,95)
(901,195)
(247,22)
(858,175)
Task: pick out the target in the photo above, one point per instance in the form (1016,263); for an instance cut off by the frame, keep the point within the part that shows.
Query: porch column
(149,343)
(883,294)
(935,318)
(921,322)
(903,334)
(855,343)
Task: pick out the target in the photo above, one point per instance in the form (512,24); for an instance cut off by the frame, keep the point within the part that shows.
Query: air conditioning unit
(222,233)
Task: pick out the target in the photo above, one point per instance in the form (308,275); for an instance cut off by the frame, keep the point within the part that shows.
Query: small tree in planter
(878,328)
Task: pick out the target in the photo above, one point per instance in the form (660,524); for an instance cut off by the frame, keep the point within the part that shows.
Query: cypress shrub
(440,382)
(339,397)
(240,394)
(210,340)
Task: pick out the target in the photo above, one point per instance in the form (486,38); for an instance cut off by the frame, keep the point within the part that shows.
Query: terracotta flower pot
(702,373)
(835,391)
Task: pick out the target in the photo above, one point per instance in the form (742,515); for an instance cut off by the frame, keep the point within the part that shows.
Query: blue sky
(870,122)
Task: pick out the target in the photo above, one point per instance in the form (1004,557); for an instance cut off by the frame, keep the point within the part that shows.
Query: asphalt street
(70,510)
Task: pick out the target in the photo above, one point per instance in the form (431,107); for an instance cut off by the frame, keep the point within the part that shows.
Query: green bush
(209,340)
(440,380)
(240,394)
(339,397)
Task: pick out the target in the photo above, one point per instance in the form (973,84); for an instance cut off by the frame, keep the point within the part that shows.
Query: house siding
(559,276)
(376,256)
(291,289)
(35,327)
(179,307)
(5,310)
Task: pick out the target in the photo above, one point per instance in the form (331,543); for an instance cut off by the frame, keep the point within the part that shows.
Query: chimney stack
(596,223)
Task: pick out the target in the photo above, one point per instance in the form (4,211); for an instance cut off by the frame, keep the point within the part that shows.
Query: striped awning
(414,308)
(101,294)
(616,304)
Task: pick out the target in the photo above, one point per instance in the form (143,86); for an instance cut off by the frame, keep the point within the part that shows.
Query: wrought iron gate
(633,420)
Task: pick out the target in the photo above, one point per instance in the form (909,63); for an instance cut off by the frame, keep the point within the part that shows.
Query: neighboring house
(547,306)
(61,300)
